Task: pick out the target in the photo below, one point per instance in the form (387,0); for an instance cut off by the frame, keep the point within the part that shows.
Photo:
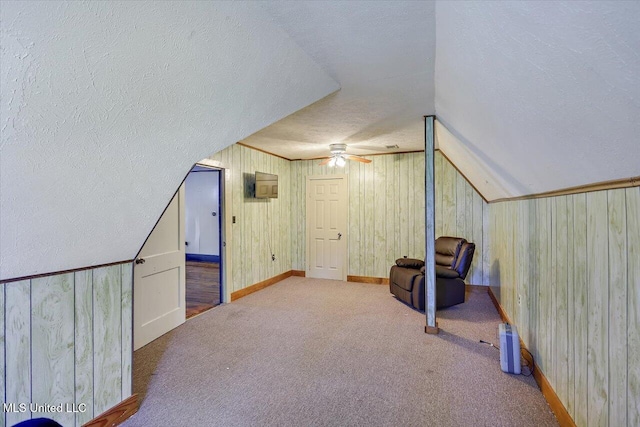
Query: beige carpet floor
(307,352)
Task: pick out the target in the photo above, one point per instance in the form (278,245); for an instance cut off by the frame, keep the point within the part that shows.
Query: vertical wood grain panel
(404,201)
(296,262)
(18,347)
(244,217)
(533,277)
(522,282)
(570,402)
(477,278)
(486,241)
(544,289)
(390,220)
(561,311)
(52,337)
(410,213)
(633,305)
(550,287)
(84,343)
(107,337)
(617,310)
(354,228)
(617,345)
(369,236)
(448,197)
(237,192)
(468,219)
(420,230)
(252,242)
(553,289)
(461,219)
(598,278)
(438,193)
(580,308)
(127,327)
(381,263)
(396,205)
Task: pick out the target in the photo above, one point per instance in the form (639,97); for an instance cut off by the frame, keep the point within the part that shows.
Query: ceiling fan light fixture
(332,162)
(340,161)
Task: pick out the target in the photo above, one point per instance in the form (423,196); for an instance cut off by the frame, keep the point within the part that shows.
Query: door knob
(214,213)
(140,261)
(339,236)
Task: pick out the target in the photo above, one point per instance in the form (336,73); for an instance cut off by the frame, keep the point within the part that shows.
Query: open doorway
(203,239)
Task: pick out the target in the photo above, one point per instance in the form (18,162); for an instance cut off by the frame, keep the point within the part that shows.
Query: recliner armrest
(446,273)
(409,263)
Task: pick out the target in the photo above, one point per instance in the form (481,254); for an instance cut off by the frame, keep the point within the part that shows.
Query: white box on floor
(509,348)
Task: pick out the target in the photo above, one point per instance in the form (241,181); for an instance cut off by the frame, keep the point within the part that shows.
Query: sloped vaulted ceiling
(539,96)
(106,106)
(382,53)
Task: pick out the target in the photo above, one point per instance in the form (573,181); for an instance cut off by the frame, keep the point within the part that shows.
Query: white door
(202,212)
(159,277)
(327,227)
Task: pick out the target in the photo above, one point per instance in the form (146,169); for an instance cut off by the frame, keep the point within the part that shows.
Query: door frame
(309,178)
(225,225)
(222,209)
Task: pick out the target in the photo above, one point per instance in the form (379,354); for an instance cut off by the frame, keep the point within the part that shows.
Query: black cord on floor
(530,367)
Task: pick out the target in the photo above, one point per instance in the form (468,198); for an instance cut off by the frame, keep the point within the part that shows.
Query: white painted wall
(202,229)
(107,105)
(545,95)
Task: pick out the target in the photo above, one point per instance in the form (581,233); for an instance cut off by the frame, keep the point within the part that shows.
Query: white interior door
(327,227)
(159,277)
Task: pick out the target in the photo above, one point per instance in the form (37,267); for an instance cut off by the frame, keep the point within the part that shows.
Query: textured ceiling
(382,54)
(530,96)
(539,95)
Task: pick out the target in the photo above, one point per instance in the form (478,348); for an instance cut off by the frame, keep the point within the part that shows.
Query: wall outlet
(273,257)
(519,299)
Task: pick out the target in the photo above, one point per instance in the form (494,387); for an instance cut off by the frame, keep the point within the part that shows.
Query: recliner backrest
(447,250)
(464,259)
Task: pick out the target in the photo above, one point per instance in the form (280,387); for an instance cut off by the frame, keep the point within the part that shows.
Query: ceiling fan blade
(325,161)
(357,158)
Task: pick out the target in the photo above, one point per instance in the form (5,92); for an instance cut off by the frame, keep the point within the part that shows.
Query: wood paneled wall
(461,212)
(262,225)
(67,340)
(386,211)
(567,270)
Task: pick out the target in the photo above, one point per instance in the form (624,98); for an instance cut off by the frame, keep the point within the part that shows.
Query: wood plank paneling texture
(263,226)
(68,341)
(17,348)
(52,343)
(568,271)
(386,211)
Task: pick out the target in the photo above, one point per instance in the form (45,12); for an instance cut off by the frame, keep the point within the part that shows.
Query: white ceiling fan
(339,156)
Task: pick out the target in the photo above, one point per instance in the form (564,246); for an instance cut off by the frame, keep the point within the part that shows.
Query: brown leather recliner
(453,259)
